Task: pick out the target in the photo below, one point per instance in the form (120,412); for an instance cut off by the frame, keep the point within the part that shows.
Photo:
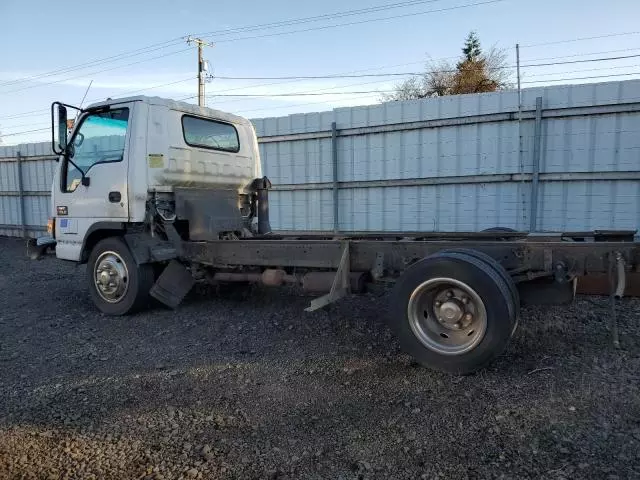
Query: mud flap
(173,284)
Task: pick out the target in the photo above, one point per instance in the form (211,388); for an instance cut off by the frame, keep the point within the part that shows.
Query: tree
(471,49)
(475,72)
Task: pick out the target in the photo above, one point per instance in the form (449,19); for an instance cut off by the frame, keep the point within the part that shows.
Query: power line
(24,114)
(399,74)
(608,35)
(294,21)
(368,93)
(583,70)
(369,75)
(335,76)
(21,125)
(338,76)
(188,79)
(294,105)
(21,133)
(120,56)
(99,71)
(323,91)
(322,77)
(286,106)
(326,90)
(29,113)
(586,60)
(353,73)
(246,87)
(298,94)
(324,27)
(585,54)
(33,113)
(316,18)
(582,78)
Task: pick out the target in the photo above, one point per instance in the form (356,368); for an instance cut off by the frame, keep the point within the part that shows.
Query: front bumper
(36,247)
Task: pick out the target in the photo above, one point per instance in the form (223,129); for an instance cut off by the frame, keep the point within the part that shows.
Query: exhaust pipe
(311,282)
(270,277)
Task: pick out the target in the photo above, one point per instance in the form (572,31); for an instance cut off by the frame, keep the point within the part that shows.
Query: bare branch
(475,72)
(407,90)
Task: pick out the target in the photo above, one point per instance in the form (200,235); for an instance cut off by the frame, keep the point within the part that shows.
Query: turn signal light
(51,227)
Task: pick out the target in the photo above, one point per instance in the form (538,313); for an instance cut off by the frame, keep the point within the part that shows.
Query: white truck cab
(124,154)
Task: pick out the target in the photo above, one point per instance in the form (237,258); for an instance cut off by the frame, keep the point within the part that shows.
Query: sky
(53,50)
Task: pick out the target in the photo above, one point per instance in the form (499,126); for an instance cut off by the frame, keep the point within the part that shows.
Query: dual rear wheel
(454,311)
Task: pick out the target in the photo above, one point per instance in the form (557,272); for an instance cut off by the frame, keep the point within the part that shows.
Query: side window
(201,132)
(100,139)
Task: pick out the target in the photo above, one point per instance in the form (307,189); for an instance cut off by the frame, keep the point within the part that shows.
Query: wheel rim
(111,277)
(447,316)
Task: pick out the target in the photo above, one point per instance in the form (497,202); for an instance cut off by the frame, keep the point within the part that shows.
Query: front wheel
(452,312)
(116,283)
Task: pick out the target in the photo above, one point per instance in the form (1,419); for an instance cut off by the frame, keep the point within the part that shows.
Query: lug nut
(437,304)
(449,294)
(465,300)
(468,316)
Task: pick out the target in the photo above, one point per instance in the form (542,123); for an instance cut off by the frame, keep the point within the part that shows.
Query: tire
(499,269)
(419,332)
(132,281)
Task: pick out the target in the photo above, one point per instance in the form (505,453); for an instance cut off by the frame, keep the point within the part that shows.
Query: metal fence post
(334,158)
(535,177)
(23,223)
(520,142)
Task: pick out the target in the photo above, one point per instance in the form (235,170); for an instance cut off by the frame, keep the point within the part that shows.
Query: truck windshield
(99,139)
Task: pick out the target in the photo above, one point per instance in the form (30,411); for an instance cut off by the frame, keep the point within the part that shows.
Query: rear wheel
(116,283)
(498,268)
(452,312)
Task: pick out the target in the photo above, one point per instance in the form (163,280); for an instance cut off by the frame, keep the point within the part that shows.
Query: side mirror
(59,121)
(62,127)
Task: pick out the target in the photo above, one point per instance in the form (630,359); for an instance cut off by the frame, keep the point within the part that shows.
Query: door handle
(114,197)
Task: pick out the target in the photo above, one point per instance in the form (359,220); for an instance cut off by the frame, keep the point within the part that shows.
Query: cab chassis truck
(154,195)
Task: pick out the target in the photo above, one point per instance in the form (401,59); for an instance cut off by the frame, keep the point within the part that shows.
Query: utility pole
(201,67)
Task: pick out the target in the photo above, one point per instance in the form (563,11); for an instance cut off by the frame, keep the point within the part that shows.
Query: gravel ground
(232,388)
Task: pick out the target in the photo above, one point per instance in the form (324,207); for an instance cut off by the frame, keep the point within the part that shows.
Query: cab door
(98,151)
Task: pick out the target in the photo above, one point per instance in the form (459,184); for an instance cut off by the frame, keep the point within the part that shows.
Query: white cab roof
(179,106)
